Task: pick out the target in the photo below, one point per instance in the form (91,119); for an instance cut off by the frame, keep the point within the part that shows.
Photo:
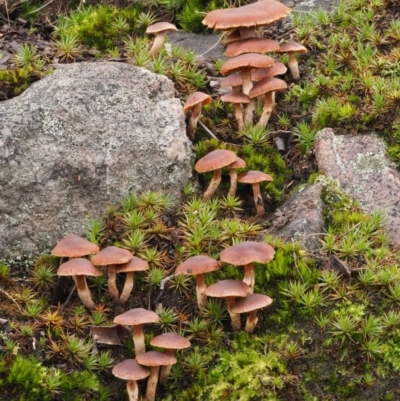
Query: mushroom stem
(126,291)
(138,339)
(194,118)
(83,291)
(166,370)
(235,317)
(239,115)
(152,383)
(200,288)
(247,84)
(249,276)
(248,33)
(267,110)
(251,321)
(233,186)
(258,199)
(214,183)
(293,66)
(112,283)
(158,43)
(133,390)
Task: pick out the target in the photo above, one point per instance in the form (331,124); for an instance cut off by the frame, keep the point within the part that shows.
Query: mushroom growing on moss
(194,103)
(292,48)
(159,29)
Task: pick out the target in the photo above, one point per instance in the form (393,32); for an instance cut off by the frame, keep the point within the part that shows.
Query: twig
(68,298)
(295,261)
(207,130)
(212,47)
(8,14)
(8,295)
(38,9)
(162,286)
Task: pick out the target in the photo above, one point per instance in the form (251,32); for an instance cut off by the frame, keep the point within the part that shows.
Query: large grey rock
(77,141)
(361,166)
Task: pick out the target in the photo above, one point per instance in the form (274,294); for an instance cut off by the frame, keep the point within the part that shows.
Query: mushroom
(79,268)
(112,256)
(214,161)
(154,360)
(198,266)
(246,254)
(160,29)
(136,318)
(131,371)
(230,290)
(292,48)
(267,87)
(239,163)
(237,98)
(251,45)
(171,342)
(194,103)
(73,246)
(134,265)
(251,304)
(254,178)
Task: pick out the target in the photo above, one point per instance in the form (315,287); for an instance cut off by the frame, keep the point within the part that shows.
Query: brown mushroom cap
(251,45)
(247,60)
(130,370)
(247,252)
(235,97)
(214,160)
(134,265)
(277,69)
(252,302)
(161,27)
(228,288)
(194,99)
(267,85)
(73,246)
(170,341)
(155,358)
(251,15)
(253,177)
(137,316)
(199,264)
(112,255)
(239,163)
(289,47)
(234,79)
(231,37)
(78,267)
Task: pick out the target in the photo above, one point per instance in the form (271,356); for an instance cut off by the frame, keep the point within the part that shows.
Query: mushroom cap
(251,302)
(253,177)
(78,267)
(267,85)
(234,79)
(246,60)
(130,370)
(108,334)
(194,99)
(228,288)
(198,264)
(155,358)
(214,160)
(247,252)
(251,15)
(277,69)
(112,255)
(73,246)
(235,97)
(239,163)
(231,37)
(134,265)
(290,47)
(170,341)
(251,45)
(137,316)
(161,27)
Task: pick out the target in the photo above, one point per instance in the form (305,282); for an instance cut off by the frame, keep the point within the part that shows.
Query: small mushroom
(136,318)
(73,246)
(194,103)
(79,268)
(254,178)
(239,163)
(292,48)
(251,304)
(214,161)
(131,371)
(237,98)
(160,29)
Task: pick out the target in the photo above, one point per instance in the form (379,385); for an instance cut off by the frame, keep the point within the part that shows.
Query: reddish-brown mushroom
(112,256)
(254,178)
(79,268)
(292,48)
(194,103)
(239,163)
(237,98)
(159,29)
(214,161)
(198,266)
(170,342)
(136,318)
(251,304)
(131,371)
(73,246)
(251,45)
(230,290)
(246,254)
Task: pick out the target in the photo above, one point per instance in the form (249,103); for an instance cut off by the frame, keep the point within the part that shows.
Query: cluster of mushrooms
(250,73)
(155,365)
